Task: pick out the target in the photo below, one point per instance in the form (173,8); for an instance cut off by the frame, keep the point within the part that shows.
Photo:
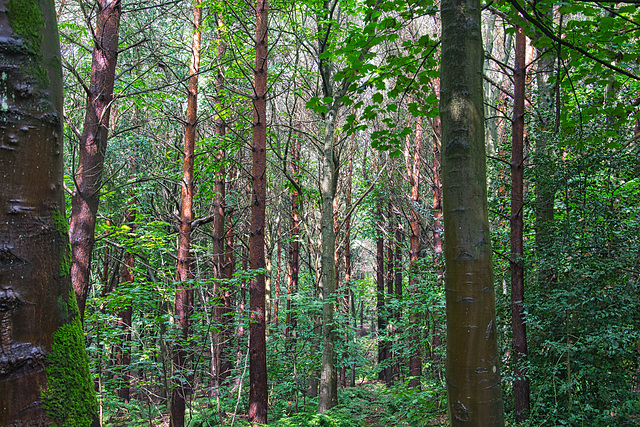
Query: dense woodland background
(373,67)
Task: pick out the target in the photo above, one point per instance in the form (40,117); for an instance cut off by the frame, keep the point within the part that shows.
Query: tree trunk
(328,397)
(380,284)
(413,166)
(257,328)
(123,350)
(184,286)
(294,245)
(521,381)
(44,372)
(220,365)
(472,369)
(93,145)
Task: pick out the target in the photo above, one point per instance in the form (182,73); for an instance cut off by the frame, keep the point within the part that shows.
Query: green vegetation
(69,398)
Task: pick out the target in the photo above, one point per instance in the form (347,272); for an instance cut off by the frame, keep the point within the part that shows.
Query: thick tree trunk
(44,372)
(521,381)
(257,328)
(93,145)
(184,276)
(472,369)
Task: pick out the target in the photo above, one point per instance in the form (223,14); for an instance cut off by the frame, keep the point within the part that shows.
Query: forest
(330,213)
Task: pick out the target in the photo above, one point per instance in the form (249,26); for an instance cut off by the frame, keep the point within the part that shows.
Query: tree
(257,342)
(44,373)
(521,381)
(184,275)
(472,368)
(93,145)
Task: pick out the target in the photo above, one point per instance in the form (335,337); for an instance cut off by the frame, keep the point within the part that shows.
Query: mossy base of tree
(70,399)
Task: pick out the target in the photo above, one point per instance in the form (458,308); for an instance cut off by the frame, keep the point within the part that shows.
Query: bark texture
(44,373)
(472,368)
(520,382)
(257,342)
(93,145)
(184,274)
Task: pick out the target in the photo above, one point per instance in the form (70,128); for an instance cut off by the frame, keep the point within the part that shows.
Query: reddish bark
(257,343)
(521,381)
(184,274)
(413,171)
(92,148)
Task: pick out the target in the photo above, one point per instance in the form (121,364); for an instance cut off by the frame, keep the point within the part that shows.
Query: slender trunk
(294,245)
(328,396)
(346,298)
(184,274)
(92,148)
(257,327)
(123,350)
(278,276)
(382,355)
(472,368)
(220,369)
(413,169)
(397,279)
(521,382)
(44,372)
(436,341)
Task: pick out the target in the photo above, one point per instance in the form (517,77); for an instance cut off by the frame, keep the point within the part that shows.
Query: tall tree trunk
(346,298)
(472,369)
(184,286)
(521,381)
(380,284)
(123,350)
(93,145)
(328,397)
(220,365)
(44,372)
(413,166)
(257,328)
(294,245)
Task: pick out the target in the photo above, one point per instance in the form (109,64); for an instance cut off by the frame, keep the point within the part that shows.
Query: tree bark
(380,285)
(472,368)
(184,275)
(123,350)
(44,372)
(93,145)
(413,166)
(258,350)
(294,245)
(220,363)
(521,381)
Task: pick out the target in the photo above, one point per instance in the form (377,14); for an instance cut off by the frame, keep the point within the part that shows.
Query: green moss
(62,227)
(69,398)
(26,20)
